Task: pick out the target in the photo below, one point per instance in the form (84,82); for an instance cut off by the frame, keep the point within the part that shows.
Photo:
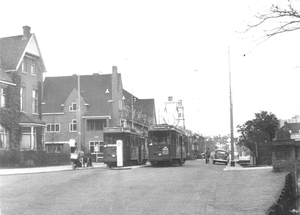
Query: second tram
(167,144)
(134,146)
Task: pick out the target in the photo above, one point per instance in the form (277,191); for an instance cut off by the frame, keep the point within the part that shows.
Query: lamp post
(232,163)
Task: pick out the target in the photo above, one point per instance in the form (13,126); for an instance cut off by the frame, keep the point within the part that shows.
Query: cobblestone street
(194,188)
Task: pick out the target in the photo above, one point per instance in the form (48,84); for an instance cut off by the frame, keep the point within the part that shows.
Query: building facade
(76,119)
(21,62)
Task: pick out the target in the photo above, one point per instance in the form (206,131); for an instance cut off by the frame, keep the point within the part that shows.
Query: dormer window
(73,107)
(32,68)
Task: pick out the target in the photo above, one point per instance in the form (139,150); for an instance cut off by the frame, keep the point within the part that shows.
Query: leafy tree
(281,17)
(258,130)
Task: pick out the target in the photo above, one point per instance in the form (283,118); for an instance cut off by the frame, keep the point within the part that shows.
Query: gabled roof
(13,49)
(4,77)
(92,87)
(294,127)
(147,106)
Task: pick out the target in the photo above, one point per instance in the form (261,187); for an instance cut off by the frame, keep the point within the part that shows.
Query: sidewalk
(238,167)
(31,170)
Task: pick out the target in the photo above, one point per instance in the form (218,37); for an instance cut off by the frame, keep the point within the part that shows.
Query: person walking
(207,155)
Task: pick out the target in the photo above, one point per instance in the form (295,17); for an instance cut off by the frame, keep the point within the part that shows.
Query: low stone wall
(284,199)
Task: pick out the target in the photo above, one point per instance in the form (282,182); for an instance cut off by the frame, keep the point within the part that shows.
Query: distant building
(289,129)
(295,119)
(21,79)
(103,102)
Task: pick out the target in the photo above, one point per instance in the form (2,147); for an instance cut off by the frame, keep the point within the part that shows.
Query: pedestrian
(75,159)
(207,155)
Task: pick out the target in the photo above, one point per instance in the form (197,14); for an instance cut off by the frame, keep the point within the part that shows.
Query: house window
(73,107)
(34,101)
(120,105)
(28,139)
(32,68)
(54,148)
(22,98)
(73,125)
(23,66)
(2,97)
(3,137)
(52,127)
(96,147)
(96,124)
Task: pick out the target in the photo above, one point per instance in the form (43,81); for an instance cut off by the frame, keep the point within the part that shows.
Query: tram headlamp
(113,155)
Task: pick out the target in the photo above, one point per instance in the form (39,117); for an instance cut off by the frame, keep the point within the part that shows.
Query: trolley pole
(232,163)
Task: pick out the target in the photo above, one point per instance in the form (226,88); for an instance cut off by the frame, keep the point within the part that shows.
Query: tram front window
(111,138)
(159,137)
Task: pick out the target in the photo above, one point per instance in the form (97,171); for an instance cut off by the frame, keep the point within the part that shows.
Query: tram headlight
(159,154)
(113,155)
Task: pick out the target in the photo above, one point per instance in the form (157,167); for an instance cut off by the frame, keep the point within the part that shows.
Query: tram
(167,145)
(133,146)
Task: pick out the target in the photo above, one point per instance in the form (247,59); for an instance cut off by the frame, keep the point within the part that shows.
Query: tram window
(111,138)
(127,140)
(158,137)
(131,140)
(173,138)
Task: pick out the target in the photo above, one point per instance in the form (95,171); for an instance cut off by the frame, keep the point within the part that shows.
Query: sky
(183,49)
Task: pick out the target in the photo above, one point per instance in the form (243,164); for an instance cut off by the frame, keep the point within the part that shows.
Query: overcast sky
(170,48)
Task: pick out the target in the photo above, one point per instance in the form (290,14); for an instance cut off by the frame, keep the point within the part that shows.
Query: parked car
(221,156)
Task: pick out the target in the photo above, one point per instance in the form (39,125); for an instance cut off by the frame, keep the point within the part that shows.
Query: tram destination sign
(160,127)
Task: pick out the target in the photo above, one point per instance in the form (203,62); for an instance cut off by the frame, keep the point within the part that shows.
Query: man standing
(207,155)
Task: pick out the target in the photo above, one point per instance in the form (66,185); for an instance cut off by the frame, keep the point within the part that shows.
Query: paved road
(195,188)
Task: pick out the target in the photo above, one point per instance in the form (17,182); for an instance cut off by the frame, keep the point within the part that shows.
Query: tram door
(180,145)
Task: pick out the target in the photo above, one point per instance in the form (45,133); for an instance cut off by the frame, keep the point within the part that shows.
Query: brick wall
(284,155)
(286,159)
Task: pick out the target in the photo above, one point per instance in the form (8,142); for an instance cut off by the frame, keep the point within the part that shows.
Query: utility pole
(232,163)
(132,124)
(78,117)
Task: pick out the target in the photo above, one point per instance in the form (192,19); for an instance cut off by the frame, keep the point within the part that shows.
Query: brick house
(22,69)
(5,82)
(102,103)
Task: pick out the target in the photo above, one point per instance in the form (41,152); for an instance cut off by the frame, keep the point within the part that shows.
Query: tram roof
(120,129)
(165,127)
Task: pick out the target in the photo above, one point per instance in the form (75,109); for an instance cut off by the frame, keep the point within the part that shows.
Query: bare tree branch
(287,19)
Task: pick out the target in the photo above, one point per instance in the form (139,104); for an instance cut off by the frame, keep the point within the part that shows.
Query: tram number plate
(165,151)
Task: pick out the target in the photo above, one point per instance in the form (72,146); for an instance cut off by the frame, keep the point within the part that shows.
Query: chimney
(26,32)
(114,80)
(114,96)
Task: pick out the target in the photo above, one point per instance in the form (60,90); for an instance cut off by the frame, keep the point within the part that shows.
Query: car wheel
(226,163)
(213,162)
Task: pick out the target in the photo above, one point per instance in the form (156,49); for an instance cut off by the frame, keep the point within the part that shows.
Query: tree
(279,19)
(259,130)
